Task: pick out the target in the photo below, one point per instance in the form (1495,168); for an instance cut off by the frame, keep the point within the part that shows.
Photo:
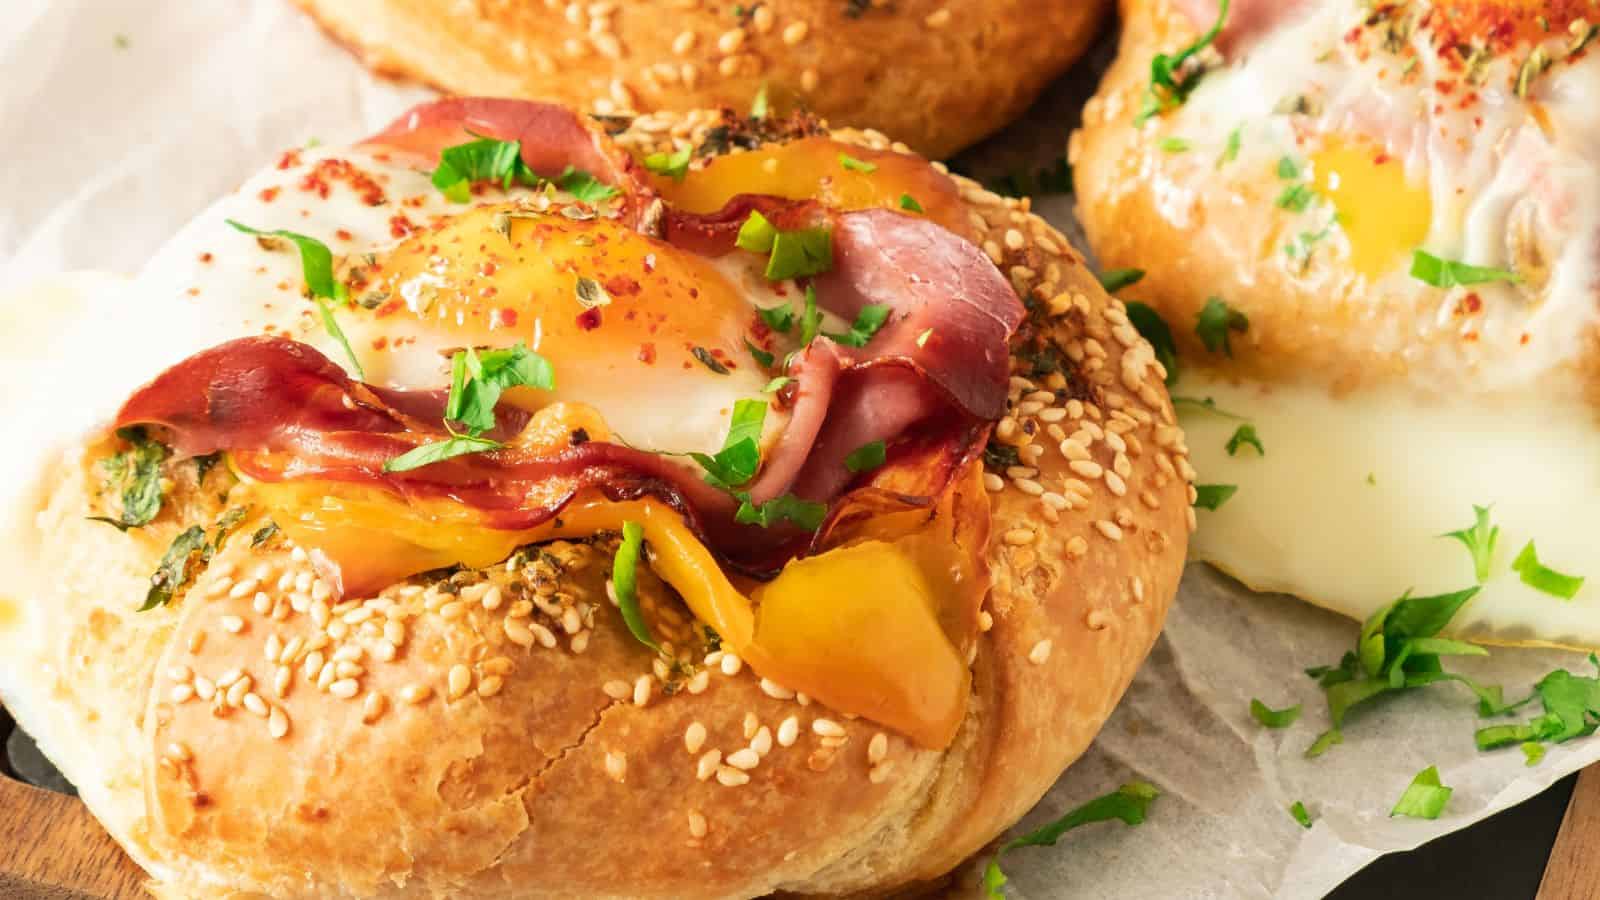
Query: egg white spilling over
(1346,506)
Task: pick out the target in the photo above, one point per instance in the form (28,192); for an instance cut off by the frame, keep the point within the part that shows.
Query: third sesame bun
(937,74)
(493,756)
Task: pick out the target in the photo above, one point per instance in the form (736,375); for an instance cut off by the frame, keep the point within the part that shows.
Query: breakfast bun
(1372,232)
(936,74)
(519,504)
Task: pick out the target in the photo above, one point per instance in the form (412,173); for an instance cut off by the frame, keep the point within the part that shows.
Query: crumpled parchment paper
(124,118)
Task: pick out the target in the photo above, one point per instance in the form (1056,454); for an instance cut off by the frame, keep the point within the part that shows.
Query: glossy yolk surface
(810,168)
(1383,216)
(496,276)
(878,627)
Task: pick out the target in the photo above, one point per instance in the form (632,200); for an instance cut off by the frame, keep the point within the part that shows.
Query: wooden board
(1573,872)
(52,849)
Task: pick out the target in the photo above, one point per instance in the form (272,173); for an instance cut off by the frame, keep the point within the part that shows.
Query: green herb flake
(799,253)
(1542,578)
(868,321)
(1532,752)
(671,165)
(740,456)
(1298,811)
(778,318)
(137,472)
(1288,169)
(479,378)
(757,234)
(1425,798)
(759,105)
(584,187)
(810,318)
(482,160)
(866,457)
(762,357)
(173,571)
(1166,90)
(263,534)
(1174,145)
(428,454)
(776,384)
(709,361)
(1129,804)
(787,508)
(1212,496)
(316,267)
(856,165)
(1274,718)
(1203,404)
(910,204)
(1296,198)
(1480,541)
(1115,280)
(624,582)
(1154,329)
(1230,152)
(1444,273)
(1216,321)
(1244,435)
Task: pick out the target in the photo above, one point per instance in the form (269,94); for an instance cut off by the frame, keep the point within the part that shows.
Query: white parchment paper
(121,119)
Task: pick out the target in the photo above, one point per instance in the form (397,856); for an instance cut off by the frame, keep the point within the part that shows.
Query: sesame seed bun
(938,74)
(520,744)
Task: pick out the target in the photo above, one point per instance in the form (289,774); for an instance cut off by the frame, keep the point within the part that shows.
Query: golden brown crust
(519,749)
(938,74)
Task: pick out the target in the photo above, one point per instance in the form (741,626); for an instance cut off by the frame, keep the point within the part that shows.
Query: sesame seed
(1029,486)
(326,676)
(232,624)
(181,693)
(751,723)
(707,764)
(546,637)
(728,776)
(1040,652)
(321,590)
(337,630)
(788,731)
(877,748)
(617,689)
(518,633)
(281,680)
(641,690)
(744,758)
(775,691)
(204,688)
(694,737)
(1097,620)
(827,728)
(1054,500)
(243,589)
(730,41)
(237,691)
(415,693)
(879,773)
(808,80)
(460,681)
(762,742)
(254,703)
(344,668)
(700,681)
(1088,468)
(801,698)
(277,724)
(262,603)
(313,664)
(490,685)
(937,19)
(320,614)
(683,43)
(1019,536)
(795,32)
(345,688)
(1115,483)
(993,483)
(617,766)
(374,707)
(985,620)
(394,632)
(731,664)
(384,651)
(580,642)
(697,824)
(180,672)
(357,616)
(1109,529)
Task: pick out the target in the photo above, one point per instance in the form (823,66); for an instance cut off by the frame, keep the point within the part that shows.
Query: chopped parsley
(584,187)
(1542,578)
(137,471)
(810,318)
(1205,404)
(1297,197)
(1154,329)
(1273,718)
(1214,323)
(762,357)
(866,457)
(624,583)
(1230,152)
(910,204)
(868,321)
(793,254)
(316,267)
(1288,169)
(485,159)
(788,507)
(1298,811)
(1129,804)
(1444,273)
(1425,798)
(709,361)
(740,456)
(1533,752)
(1167,89)
(671,165)
(776,384)
(759,105)
(1114,280)
(1304,243)
(1244,435)
(857,165)
(476,382)
(263,534)
(1174,145)
(173,571)
(1480,541)
(1571,710)
(778,318)
(1212,496)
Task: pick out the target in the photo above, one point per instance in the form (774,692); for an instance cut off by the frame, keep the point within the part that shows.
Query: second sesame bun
(937,74)
(518,742)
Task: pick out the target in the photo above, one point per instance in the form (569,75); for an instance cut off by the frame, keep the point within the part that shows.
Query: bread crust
(522,775)
(937,74)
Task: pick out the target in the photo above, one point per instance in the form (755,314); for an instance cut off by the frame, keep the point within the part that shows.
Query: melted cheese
(1382,214)
(1346,506)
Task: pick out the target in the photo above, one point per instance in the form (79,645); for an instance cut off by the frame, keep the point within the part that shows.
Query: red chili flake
(1525,338)
(1381,158)
(270,194)
(589,319)
(317,180)
(487,268)
(206,257)
(289,159)
(380,343)
(194,292)
(343,235)
(621,286)
(1472,303)
(400,226)
(506,316)
(647,353)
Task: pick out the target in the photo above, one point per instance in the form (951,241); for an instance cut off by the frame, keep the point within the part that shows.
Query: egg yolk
(1383,215)
(841,176)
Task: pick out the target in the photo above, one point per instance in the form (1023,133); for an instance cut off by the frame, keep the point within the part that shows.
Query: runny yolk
(811,168)
(8,612)
(1383,216)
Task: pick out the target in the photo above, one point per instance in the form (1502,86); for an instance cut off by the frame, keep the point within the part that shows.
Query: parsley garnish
(1214,322)
(1542,578)
(1274,718)
(810,318)
(1424,798)
(584,187)
(1298,811)
(316,267)
(1231,151)
(1212,496)
(484,159)
(1206,404)
(1571,709)
(868,321)
(263,534)
(672,165)
(1166,90)
(476,383)
(788,507)
(173,570)
(1149,323)
(1243,435)
(1296,197)
(1174,145)
(778,318)
(1479,540)
(1533,752)
(740,456)
(1444,273)
(909,203)
(866,457)
(776,384)
(762,357)
(624,581)
(1115,280)
(138,471)
(1288,169)
(794,254)
(1128,804)
(857,165)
